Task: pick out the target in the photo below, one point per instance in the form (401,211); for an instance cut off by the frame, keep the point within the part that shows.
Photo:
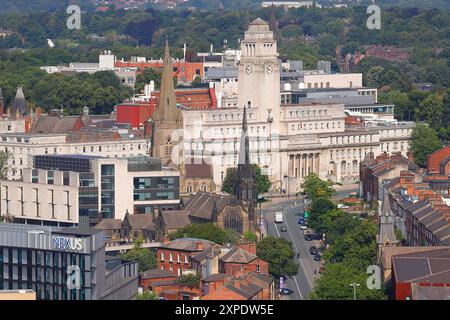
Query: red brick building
(238,261)
(137,112)
(374,171)
(176,255)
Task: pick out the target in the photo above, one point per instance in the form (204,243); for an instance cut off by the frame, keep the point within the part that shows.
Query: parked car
(283,229)
(301,221)
(317,257)
(303,227)
(308,238)
(313,250)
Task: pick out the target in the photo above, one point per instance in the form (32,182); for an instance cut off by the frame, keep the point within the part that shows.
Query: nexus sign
(66,243)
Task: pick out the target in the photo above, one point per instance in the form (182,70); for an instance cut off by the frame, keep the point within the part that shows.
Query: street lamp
(354,285)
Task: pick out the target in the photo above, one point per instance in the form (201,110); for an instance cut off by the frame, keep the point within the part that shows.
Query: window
(162,255)
(258,268)
(171,257)
(50,177)
(34,176)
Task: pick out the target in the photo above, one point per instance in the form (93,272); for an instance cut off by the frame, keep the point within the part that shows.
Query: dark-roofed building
(250,286)
(136,226)
(222,209)
(111,227)
(168,222)
(429,269)
(149,277)
(20,108)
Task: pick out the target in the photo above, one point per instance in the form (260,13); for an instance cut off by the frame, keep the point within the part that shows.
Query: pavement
(303,282)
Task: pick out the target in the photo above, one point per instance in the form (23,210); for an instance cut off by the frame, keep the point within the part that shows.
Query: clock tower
(259,71)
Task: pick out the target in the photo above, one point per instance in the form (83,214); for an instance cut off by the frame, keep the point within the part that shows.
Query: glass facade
(45,272)
(107,190)
(155,188)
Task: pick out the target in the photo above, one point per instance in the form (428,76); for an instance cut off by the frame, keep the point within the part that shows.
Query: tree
(145,258)
(148,295)
(334,284)
(147,75)
(207,231)
(316,188)
(250,236)
(279,254)
(318,208)
(424,141)
(263,183)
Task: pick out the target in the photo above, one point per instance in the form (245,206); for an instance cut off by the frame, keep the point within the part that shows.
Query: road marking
(300,260)
(275,225)
(298,289)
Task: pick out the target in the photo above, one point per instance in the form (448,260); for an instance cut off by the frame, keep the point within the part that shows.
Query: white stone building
(289,141)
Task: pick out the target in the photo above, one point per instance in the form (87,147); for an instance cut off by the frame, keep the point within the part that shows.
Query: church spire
(244,152)
(167,109)
(386,234)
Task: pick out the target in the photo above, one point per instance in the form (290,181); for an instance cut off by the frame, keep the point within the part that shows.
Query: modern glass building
(63,264)
(80,190)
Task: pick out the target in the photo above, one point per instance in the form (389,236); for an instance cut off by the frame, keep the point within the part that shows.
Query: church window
(168,147)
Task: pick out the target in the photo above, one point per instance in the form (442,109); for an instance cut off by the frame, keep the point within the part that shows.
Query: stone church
(236,212)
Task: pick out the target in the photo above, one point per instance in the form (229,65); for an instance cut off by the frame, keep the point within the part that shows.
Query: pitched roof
(20,105)
(52,124)
(202,203)
(140,221)
(175,219)
(109,224)
(157,273)
(187,244)
(238,255)
(217,277)
(426,266)
(198,171)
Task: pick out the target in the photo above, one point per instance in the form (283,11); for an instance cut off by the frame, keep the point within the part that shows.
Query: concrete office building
(43,259)
(70,190)
(23,146)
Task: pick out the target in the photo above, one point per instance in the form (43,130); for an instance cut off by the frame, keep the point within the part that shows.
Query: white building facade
(287,141)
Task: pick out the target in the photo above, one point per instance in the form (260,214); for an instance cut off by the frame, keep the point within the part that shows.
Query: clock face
(269,69)
(248,69)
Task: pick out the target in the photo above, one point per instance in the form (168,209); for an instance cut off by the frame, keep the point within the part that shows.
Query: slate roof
(187,244)
(175,219)
(20,105)
(238,255)
(430,293)
(202,203)
(216,277)
(157,273)
(109,224)
(246,291)
(427,266)
(140,221)
(51,124)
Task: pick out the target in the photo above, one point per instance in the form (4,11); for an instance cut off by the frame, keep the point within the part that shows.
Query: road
(303,282)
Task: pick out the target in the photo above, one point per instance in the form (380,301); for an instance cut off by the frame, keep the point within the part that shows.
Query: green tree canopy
(424,141)
(263,183)
(207,231)
(334,284)
(279,254)
(145,258)
(316,188)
